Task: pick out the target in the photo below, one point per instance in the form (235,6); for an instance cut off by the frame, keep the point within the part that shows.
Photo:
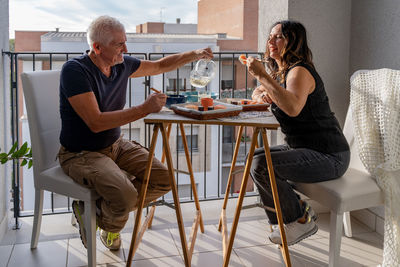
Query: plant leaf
(24,162)
(30,164)
(13,148)
(22,150)
(3,155)
(29,155)
(4,160)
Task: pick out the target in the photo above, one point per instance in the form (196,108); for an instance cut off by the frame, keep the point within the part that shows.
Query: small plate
(231,110)
(246,107)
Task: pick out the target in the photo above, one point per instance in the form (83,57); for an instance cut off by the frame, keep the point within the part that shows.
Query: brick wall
(150,27)
(28,40)
(236,18)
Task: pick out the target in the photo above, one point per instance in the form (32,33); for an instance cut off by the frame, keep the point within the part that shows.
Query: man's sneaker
(112,241)
(295,231)
(78,208)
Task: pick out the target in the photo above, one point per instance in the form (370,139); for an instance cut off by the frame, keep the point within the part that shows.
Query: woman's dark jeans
(296,165)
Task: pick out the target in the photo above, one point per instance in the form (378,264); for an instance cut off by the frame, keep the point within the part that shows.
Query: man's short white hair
(100,30)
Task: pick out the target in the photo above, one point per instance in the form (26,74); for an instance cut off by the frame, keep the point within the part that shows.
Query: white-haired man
(92,100)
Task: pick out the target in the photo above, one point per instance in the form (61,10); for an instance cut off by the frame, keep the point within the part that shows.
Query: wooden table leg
(228,251)
(284,246)
(192,181)
(186,255)
(135,238)
(162,161)
(229,183)
(169,127)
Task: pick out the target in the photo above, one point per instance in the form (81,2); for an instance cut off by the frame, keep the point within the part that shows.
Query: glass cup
(202,73)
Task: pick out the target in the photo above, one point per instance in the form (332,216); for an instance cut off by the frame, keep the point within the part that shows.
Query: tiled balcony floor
(59,243)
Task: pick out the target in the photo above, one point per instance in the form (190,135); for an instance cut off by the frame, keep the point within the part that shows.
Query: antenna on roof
(161,11)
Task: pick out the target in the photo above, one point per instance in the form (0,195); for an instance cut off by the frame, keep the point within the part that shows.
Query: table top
(255,119)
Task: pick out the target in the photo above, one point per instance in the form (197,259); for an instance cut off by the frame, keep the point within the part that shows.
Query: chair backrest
(348,131)
(41,91)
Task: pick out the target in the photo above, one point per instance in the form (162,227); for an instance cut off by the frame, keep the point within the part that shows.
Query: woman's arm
(299,84)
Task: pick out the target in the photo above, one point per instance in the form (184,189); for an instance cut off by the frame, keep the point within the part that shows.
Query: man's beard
(120,61)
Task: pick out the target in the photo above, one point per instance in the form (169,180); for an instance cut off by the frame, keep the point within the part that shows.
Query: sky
(75,15)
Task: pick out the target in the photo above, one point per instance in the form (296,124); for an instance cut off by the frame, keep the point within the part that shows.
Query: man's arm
(171,62)
(85,105)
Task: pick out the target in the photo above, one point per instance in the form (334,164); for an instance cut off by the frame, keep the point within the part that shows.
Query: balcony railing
(211,147)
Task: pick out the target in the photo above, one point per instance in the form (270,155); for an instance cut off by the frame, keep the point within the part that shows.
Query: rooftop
(136,37)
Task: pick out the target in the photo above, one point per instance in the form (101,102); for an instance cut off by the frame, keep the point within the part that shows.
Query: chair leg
(73,219)
(90,218)
(37,219)
(347,224)
(335,238)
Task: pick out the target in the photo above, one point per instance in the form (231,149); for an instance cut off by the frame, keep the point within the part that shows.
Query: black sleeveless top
(316,127)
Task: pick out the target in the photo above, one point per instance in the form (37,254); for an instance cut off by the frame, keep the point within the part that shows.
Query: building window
(185,190)
(174,84)
(228,134)
(226,84)
(192,141)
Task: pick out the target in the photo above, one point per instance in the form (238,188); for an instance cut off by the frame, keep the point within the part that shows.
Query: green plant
(24,153)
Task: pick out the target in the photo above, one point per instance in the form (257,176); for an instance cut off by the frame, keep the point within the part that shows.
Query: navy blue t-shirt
(80,75)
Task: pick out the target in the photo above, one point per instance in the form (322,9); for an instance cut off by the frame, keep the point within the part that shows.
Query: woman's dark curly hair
(295,50)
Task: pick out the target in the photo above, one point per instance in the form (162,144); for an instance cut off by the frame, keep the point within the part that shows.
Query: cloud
(75,15)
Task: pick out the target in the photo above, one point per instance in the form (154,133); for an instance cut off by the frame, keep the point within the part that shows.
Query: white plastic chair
(355,190)
(41,90)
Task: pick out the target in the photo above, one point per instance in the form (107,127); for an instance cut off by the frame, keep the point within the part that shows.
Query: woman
(316,148)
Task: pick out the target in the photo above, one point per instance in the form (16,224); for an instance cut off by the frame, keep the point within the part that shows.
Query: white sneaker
(295,232)
(78,208)
(112,241)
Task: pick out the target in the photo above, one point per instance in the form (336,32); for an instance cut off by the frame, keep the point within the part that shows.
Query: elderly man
(92,100)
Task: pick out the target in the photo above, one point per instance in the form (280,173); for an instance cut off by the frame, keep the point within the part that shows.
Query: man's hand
(204,53)
(154,103)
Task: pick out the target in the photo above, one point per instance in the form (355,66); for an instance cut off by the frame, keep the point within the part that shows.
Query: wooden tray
(231,110)
(248,107)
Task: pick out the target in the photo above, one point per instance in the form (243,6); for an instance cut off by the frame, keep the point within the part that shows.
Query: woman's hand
(265,97)
(256,67)
(260,95)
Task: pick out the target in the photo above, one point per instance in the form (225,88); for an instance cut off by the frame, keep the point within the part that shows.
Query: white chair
(41,90)
(355,190)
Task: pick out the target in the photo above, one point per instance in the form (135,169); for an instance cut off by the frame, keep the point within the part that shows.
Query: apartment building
(211,148)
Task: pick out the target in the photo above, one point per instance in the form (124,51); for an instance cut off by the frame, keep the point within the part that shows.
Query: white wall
(5,170)
(269,12)
(375,43)
(328,29)
(180,28)
(328,26)
(344,36)
(375,39)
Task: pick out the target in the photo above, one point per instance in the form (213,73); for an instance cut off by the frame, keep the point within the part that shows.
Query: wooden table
(161,121)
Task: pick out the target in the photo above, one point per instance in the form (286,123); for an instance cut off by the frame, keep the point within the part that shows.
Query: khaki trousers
(116,174)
